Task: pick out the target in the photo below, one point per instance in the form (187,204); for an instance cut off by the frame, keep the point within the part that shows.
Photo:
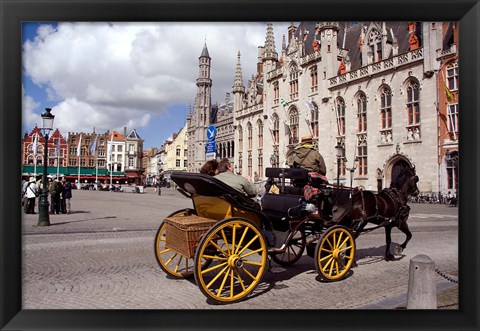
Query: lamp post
(452,160)
(47,125)
(352,170)
(339,152)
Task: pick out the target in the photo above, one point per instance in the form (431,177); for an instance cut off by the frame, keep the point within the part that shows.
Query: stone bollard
(422,289)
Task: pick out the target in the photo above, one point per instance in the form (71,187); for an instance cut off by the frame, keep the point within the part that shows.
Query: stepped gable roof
(352,37)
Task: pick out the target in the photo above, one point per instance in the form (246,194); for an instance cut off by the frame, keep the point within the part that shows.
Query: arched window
(362,112)
(260,134)
(276,130)
(293,80)
(294,129)
(314,120)
(249,136)
(386,107)
(340,114)
(385,115)
(240,138)
(413,103)
(375,45)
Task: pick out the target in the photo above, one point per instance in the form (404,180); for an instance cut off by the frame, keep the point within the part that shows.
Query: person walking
(66,195)
(30,191)
(238,182)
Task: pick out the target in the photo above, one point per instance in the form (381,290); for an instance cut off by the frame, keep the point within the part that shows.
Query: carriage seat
(206,185)
(297,177)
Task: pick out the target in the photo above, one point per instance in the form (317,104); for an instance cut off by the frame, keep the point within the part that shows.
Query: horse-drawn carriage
(226,240)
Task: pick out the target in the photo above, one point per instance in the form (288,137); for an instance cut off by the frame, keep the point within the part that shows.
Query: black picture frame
(13,12)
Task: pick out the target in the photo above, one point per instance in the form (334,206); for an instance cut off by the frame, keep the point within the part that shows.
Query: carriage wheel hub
(337,254)
(234,261)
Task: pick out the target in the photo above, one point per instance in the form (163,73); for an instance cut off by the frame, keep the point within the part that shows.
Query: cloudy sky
(139,75)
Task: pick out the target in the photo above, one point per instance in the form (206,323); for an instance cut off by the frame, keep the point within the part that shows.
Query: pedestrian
(238,182)
(66,195)
(307,157)
(30,191)
(210,168)
(55,190)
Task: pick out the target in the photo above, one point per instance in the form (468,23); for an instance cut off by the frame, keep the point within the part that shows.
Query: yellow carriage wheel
(238,254)
(294,250)
(170,261)
(335,253)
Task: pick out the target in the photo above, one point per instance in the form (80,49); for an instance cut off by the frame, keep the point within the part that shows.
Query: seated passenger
(226,175)
(210,168)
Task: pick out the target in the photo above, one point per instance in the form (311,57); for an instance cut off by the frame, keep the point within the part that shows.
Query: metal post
(43,215)
(338,171)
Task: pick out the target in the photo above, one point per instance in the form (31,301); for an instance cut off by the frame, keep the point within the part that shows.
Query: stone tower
(200,119)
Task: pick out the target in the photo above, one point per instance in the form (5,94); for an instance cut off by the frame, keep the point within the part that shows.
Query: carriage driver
(307,157)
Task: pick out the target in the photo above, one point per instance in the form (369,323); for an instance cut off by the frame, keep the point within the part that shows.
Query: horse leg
(388,238)
(403,226)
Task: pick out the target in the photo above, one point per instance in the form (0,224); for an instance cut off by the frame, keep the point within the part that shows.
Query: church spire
(238,83)
(205,51)
(269,48)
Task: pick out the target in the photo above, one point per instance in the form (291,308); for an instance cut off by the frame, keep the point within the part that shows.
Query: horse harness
(402,210)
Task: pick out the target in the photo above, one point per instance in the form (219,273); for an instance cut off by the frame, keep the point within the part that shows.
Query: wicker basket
(183,233)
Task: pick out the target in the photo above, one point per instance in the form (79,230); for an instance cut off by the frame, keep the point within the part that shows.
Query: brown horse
(388,208)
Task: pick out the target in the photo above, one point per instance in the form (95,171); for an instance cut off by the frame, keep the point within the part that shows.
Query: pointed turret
(205,51)
(238,83)
(269,52)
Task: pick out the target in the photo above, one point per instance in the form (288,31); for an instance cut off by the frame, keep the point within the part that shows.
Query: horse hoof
(389,257)
(398,250)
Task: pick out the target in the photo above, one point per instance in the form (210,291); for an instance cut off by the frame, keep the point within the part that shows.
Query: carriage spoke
(339,239)
(220,289)
(249,274)
(326,257)
(233,238)
(325,268)
(171,259)
(329,243)
(225,241)
(240,280)
(232,281)
(214,267)
(241,240)
(336,267)
(166,250)
(257,264)
(218,247)
(214,257)
(248,245)
(216,277)
(250,253)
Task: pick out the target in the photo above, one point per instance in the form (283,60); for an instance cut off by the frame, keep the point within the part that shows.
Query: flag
(309,105)
(58,147)
(79,147)
(448,93)
(93,146)
(35,142)
(283,102)
(110,147)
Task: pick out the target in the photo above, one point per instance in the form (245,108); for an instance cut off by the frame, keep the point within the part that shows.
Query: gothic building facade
(378,90)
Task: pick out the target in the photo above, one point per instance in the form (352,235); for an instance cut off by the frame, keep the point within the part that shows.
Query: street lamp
(47,125)
(352,170)
(339,152)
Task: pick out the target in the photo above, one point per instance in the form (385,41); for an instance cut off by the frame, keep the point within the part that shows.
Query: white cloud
(105,75)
